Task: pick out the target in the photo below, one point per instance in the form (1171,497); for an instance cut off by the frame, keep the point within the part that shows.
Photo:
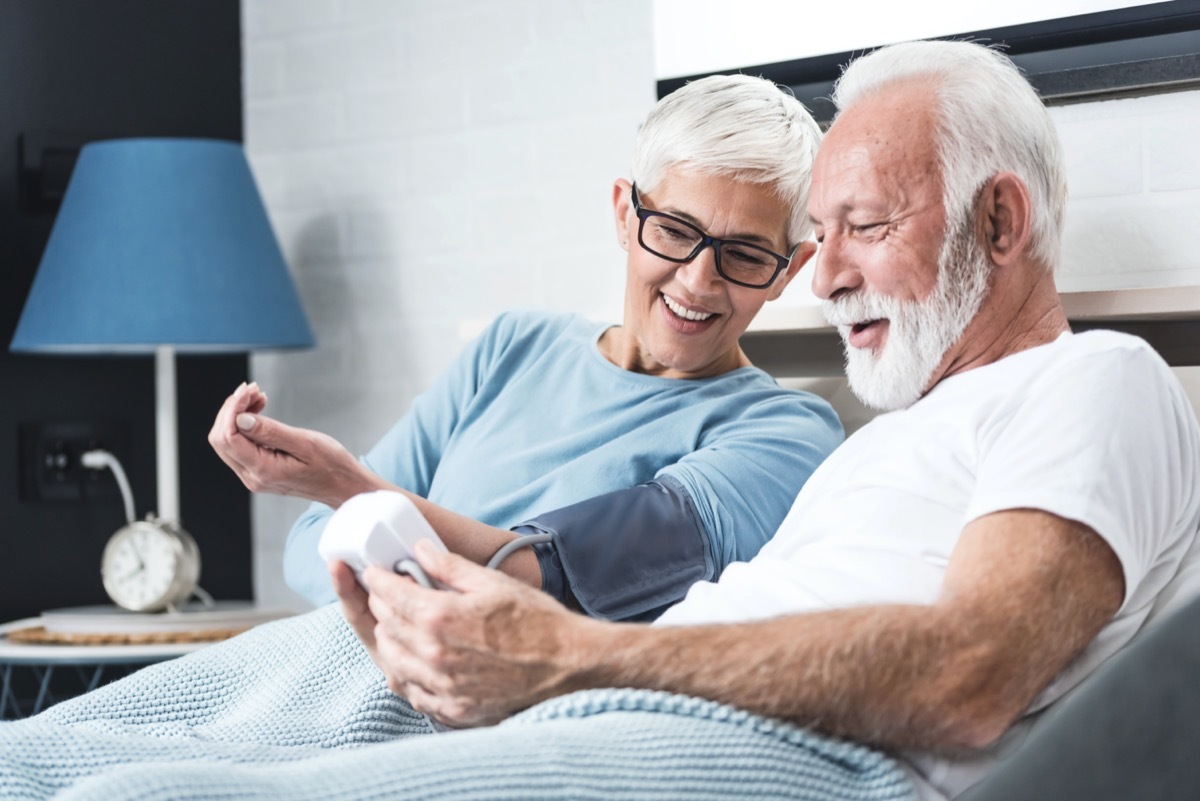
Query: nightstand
(78,652)
(86,665)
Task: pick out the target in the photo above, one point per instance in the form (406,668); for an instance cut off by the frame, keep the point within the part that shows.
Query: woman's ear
(1006,217)
(802,255)
(622,207)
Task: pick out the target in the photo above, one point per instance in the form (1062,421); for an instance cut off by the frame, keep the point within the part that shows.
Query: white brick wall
(428,164)
(1133,168)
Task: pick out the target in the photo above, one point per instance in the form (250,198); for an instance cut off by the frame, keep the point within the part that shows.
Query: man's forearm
(891,676)
(1027,593)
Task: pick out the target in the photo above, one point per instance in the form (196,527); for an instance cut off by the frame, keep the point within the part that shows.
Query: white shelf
(1159,303)
(795,341)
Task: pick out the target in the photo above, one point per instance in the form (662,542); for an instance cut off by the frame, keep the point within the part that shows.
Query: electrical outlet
(50,460)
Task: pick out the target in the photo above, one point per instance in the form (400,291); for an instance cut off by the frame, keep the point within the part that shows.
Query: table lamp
(162,246)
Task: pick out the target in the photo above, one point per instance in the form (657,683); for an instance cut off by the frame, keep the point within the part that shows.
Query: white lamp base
(166,433)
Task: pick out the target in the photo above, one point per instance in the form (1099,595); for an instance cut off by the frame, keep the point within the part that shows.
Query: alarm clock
(150,565)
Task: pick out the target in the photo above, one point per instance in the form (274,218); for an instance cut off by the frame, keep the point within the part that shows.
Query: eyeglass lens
(737,261)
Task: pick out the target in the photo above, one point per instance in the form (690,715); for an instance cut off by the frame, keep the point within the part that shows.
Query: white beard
(919,332)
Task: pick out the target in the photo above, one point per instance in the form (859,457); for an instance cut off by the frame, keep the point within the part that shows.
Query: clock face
(146,567)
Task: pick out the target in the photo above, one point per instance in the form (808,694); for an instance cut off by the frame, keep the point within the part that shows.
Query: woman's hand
(471,655)
(269,456)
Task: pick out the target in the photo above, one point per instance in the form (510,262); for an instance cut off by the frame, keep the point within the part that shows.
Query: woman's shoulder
(521,335)
(525,325)
(750,395)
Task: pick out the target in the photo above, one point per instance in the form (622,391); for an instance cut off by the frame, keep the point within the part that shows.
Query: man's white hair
(989,120)
(736,125)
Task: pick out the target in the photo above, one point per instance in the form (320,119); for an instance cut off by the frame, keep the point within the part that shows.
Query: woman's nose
(700,274)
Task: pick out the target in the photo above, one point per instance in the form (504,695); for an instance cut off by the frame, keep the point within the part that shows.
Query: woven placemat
(37,635)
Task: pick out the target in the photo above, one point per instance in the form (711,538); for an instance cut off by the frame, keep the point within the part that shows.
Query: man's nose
(834,272)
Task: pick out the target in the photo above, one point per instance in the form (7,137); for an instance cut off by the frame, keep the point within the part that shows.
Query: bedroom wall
(100,70)
(427,165)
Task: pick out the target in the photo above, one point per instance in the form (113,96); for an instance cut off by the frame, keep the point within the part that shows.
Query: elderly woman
(652,452)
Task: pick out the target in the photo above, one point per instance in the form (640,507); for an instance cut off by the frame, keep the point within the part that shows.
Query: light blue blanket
(296,710)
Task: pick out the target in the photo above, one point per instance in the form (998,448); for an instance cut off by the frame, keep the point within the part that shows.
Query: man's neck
(1013,318)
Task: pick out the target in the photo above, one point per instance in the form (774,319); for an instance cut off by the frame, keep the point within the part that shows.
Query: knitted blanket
(296,709)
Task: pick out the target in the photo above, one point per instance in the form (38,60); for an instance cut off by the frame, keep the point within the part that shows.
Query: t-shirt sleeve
(407,455)
(748,470)
(1107,439)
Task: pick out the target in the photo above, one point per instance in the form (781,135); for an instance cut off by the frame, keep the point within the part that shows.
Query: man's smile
(867,334)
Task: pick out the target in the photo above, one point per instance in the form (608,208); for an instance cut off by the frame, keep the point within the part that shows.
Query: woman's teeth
(686,314)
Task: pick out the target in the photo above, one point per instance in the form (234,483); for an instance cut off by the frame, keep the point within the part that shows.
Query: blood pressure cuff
(626,555)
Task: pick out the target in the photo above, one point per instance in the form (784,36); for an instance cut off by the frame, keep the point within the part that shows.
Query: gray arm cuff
(626,555)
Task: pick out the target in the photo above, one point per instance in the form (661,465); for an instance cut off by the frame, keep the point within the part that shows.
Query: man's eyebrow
(753,239)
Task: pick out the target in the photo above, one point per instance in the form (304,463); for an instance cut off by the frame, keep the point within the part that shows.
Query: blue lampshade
(162,246)
(161,242)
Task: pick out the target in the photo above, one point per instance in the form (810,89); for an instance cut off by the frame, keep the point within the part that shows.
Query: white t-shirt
(1092,427)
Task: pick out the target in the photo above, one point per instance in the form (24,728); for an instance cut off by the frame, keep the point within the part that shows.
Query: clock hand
(140,568)
(137,554)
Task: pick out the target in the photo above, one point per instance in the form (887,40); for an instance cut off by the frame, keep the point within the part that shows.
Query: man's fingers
(396,598)
(452,570)
(354,603)
(400,665)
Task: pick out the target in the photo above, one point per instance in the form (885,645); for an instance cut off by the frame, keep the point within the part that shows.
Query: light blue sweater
(532,418)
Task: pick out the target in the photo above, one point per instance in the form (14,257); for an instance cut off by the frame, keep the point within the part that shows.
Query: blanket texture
(296,709)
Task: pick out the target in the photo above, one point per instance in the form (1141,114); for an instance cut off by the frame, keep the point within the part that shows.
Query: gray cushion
(1132,732)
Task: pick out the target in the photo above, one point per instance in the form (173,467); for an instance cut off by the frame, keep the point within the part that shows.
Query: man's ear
(803,254)
(622,200)
(1006,214)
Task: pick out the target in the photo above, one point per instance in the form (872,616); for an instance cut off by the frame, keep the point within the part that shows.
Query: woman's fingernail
(245,421)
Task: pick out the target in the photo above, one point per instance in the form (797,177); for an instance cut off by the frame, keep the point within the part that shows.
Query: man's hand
(354,608)
(471,655)
(269,456)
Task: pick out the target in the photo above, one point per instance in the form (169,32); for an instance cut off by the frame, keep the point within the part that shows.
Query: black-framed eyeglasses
(679,241)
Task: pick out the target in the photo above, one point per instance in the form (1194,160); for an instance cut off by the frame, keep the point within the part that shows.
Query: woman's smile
(685,313)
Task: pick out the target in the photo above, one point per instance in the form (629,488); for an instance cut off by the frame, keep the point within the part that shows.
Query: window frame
(1106,54)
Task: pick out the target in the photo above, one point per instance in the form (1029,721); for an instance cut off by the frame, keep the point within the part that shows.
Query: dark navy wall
(87,70)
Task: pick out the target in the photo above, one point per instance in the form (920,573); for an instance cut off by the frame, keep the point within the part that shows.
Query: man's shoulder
(1105,341)
(1110,356)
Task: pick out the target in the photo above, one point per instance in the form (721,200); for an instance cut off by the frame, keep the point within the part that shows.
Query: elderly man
(960,563)
(1027,506)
